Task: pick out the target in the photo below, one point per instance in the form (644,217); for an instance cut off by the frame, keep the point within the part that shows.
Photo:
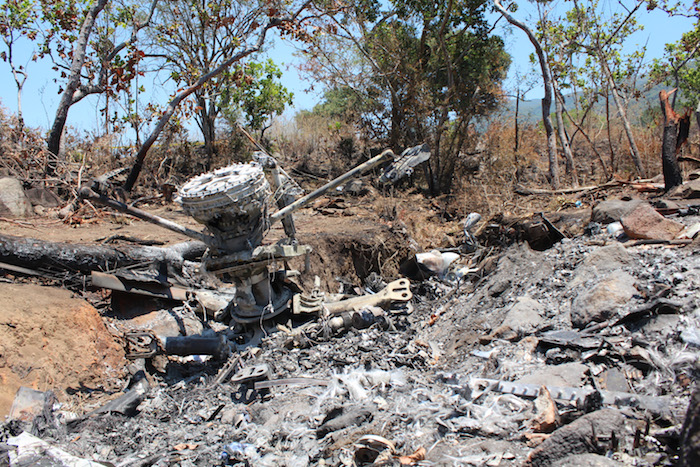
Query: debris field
(562,340)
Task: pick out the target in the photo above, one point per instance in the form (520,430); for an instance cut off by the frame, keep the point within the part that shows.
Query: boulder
(579,437)
(644,222)
(598,303)
(13,201)
(524,317)
(613,210)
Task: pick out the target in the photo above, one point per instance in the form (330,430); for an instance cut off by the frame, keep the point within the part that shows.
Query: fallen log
(39,254)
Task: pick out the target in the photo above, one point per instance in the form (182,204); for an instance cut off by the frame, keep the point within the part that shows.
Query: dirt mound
(52,341)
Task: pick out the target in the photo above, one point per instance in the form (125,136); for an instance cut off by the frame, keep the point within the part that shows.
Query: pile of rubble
(585,353)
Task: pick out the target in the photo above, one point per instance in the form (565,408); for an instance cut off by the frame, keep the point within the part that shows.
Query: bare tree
(548,92)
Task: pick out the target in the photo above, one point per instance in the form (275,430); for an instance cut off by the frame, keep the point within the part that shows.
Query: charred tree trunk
(38,254)
(671,169)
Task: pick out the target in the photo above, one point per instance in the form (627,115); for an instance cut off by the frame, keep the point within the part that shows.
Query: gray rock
(598,303)
(613,210)
(578,437)
(13,201)
(607,258)
(600,262)
(570,374)
(586,460)
(688,190)
(525,316)
(43,197)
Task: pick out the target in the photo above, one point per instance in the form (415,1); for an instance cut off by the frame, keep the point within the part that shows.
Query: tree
(422,71)
(288,21)
(679,67)
(603,40)
(257,92)
(548,92)
(194,38)
(88,66)
(17,22)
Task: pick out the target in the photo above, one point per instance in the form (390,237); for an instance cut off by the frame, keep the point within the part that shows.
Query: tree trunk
(563,139)
(38,254)
(516,146)
(623,116)
(77,62)
(671,169)
(548,92)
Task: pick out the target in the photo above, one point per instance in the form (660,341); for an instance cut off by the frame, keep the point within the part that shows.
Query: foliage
(421,72)
(680,67)
(256,92)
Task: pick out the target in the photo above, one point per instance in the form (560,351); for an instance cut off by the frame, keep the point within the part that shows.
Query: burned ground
(616,322)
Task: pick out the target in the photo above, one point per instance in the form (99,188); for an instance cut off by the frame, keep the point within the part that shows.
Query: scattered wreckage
(583,354)
(238,277)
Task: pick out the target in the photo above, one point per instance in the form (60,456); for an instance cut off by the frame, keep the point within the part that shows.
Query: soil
(52,340)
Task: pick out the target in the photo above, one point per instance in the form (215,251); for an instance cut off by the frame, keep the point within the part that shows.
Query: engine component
(232,202)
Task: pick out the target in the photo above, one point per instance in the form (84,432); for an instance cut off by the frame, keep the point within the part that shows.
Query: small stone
(546,414)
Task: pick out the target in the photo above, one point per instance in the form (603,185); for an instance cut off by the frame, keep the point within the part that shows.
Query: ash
(587,314)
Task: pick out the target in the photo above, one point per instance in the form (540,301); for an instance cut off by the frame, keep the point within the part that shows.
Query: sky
(40,95)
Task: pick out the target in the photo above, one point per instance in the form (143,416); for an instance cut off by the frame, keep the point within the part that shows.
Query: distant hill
(640,110)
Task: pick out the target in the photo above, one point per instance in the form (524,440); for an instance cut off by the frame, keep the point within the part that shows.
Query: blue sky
(40,96)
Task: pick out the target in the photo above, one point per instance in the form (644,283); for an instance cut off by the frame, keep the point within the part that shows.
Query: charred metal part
(112,282)
(291,382)
(140,344)
(87,193)
(376,161)
(126,404)
(403,167)
(197,345)
(655,404)
(232,202)
(396,291)
(249,374)
(285,189)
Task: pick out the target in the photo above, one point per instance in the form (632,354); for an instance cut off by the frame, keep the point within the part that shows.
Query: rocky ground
(585,353)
